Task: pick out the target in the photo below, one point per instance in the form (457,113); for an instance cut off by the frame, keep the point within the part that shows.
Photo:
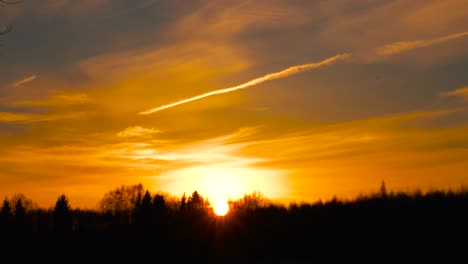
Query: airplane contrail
(403,46)
(379,52)
(271,76)
(24,81)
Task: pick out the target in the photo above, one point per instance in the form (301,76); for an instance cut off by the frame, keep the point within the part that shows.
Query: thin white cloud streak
(460,92)
(272,76)
(402,46)
(24,81)
(377,53)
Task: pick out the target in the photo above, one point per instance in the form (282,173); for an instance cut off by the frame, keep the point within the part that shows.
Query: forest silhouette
(132,221)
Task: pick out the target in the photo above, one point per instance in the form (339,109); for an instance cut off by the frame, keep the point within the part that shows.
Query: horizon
(301,100)
(176,199)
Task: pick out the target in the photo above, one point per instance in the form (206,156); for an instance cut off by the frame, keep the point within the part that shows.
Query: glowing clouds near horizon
(272,76)
(219,183)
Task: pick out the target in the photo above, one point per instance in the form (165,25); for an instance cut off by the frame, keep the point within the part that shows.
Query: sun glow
(221,208)
(221,183)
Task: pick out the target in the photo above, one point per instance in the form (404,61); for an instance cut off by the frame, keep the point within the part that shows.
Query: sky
(300,100)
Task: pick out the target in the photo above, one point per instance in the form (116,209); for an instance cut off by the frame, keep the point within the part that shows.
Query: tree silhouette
(20,215)
(6,208)
(4,2)
(183,202)
(5,29)
(63,222)
(8,27)
(383,190)
(143,210)
(257,228)
(6,215)
(62,206)
(27,203)
(137,203)
(121,200)
(159,209)
(195,201)
(146,201)
(159,203)
(249,202)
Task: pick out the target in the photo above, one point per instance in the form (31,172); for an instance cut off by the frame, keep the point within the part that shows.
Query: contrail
(379,52)
(402,46)
(272,76)
(24,81)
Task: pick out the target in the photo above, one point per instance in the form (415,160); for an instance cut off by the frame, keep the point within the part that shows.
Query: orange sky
(301,100)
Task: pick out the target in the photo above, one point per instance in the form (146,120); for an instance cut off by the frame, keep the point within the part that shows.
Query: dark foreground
(380,228)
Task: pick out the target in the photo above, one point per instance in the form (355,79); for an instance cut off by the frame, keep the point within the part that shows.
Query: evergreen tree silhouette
(137,204)
(137,208)
(383,190)
(146,201)
(183,202)
(6,208)
(143,208)
(159,203)
(159,209)
(146,207)
(20,216)
(195,201)
(63,222)
(6,215)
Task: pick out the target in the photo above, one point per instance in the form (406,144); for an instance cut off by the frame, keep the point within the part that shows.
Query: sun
(220,183)
(221,208)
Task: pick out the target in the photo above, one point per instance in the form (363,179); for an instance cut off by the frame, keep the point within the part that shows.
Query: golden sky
(301,100)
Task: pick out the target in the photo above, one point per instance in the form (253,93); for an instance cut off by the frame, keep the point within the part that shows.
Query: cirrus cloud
(137,131)
(460,92)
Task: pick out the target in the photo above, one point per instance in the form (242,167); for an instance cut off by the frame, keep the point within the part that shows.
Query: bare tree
(5,3)
(122,199)
(7,27)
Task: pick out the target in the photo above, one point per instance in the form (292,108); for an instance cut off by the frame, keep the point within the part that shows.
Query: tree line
(131,218)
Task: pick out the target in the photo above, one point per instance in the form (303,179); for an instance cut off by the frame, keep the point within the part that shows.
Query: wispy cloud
(377,53)
(137,131)
(460,92)
(8,117)
(24,81)
(271,76)
(403,46)
(60,99)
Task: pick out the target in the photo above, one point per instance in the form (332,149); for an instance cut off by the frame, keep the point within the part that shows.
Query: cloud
(7,117)
(138,131)
(24,81)
(404,46)
(271,76)
(377,53)
(51,7)
(460,92)
(60,99)
(217,19)
(383,21)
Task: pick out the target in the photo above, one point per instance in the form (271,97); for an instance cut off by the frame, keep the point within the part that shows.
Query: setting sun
(220,183)
(221,208)
(234,130)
